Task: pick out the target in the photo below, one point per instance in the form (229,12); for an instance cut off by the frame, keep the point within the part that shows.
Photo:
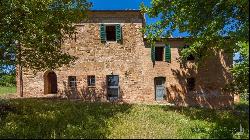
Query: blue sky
(126,4)
(117,4)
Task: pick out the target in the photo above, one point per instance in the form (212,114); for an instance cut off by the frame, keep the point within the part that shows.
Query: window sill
(110,42)
(162,62)
(72,88)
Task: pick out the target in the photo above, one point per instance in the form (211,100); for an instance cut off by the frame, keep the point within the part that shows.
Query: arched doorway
(50,82)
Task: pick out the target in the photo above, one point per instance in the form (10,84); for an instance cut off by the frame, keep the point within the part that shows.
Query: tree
(39,27)
(7,76)
(240,72)
(32,31)
(213,24)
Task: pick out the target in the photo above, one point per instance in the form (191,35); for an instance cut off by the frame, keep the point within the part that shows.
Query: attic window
(159,51)
(110,32)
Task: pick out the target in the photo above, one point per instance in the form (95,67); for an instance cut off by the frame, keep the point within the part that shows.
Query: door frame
(47,83)
(163,84)
(113,87)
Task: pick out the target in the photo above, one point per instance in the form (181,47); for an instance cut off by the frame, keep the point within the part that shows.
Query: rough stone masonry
(115,63)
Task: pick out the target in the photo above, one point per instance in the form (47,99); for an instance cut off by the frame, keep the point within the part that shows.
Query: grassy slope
(33,118)
(7,90)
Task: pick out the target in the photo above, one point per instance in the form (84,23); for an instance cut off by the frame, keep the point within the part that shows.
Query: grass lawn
(7,90)
(40,118)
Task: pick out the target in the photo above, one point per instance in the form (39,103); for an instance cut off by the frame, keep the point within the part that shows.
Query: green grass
(40,118)
(7,90)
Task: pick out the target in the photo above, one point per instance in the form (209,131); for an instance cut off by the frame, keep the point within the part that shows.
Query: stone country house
(116,64)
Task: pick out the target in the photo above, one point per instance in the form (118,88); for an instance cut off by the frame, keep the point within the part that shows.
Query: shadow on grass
(227,123)
(43,118)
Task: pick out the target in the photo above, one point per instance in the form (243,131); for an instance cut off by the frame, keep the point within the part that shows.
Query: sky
(117,4)
(127,4)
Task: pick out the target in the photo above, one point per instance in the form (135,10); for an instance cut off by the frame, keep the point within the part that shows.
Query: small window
(191,83)
(186,46)
(91,80)
(190,57)
(110,33)
(72,82)
(159,53)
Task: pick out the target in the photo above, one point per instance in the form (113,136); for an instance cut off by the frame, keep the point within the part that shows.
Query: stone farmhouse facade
(115,63)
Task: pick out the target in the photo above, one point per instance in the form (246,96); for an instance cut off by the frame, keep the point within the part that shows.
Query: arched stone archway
(50,82)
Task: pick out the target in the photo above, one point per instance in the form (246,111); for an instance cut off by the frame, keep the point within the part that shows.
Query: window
(191,83)
(112,86)
(72,82)
(186,46)
(190,57)
(91,80)
(110,33)
(159,51)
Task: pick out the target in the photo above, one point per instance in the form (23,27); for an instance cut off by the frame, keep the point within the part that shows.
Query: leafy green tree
(7,80)
(240,72)
(7,76)
(39,27)
(211,24)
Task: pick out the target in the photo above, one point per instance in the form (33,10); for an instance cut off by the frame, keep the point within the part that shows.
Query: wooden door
(52,80)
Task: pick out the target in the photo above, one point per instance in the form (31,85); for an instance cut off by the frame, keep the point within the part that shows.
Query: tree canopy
(39,26)
(212,24)
(217,23)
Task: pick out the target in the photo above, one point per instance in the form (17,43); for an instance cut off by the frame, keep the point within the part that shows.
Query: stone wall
(131,60)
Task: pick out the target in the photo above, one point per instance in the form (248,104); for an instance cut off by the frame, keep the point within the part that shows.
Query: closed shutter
(168,53)
(103,33)
(153,53)
(118,33)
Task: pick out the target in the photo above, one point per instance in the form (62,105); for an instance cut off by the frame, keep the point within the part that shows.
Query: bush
(7,80)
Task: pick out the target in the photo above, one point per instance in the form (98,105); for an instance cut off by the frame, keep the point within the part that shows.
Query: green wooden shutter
(153,53)
(168,53)
(118,33)
(103,33)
